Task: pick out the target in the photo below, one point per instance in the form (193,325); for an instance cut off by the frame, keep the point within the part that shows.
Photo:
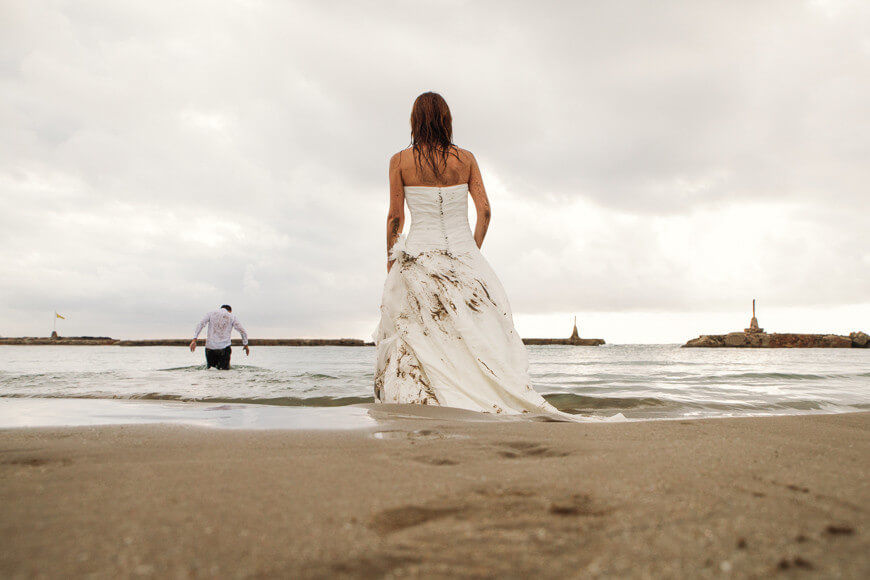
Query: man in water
(220,329)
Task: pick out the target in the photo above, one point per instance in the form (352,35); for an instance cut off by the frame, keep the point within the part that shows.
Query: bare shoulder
(396,159)
(465,155)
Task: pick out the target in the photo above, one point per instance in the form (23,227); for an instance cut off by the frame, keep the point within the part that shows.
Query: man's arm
(238,326)
(199,328)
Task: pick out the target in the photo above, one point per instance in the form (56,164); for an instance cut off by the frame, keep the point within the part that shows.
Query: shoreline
(22,412)
(428,493)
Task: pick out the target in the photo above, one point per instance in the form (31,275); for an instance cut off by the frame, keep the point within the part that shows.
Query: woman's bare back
(457,172)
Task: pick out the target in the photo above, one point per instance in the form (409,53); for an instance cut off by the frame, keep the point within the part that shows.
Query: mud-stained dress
(446,335)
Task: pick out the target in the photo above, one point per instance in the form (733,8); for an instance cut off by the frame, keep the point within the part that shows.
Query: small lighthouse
(753,324)
(575,335)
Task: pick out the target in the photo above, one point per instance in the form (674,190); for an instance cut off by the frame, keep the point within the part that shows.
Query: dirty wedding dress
(446,335)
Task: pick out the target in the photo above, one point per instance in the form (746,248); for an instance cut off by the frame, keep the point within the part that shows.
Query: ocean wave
(320,401)
(315,376)
(567,378)
(572,401)
(775,376)
(196,368)
(620,363)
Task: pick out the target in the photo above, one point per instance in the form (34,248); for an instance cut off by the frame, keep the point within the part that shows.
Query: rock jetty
(755,337)
(573,340)
(779,340)
(107,341)
(59,340)
(253,342)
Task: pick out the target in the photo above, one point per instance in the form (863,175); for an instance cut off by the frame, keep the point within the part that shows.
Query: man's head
(227,307)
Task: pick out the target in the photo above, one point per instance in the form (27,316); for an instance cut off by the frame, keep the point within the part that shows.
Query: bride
(446,335)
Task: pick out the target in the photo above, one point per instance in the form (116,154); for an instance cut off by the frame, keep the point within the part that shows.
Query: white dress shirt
(220,329)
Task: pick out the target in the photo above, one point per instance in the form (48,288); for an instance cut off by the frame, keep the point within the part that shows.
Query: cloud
(250,286)
(157,159)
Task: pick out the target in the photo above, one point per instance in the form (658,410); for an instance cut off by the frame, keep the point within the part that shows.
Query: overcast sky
(652,166)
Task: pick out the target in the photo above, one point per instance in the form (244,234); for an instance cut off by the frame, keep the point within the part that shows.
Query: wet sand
(438,496)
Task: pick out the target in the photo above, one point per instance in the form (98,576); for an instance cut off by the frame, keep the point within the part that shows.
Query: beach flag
(59,316)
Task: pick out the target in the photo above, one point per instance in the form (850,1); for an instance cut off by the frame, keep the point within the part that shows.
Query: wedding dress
(446,335)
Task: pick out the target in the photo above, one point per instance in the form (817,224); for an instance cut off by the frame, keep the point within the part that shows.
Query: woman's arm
(481,202)
(396,215)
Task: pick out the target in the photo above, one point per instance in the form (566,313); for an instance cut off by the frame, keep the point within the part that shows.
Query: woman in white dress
(446,335)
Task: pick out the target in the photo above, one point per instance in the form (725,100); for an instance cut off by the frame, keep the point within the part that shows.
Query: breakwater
(780,340)
(107,341)
(67,340)
(254,342)
(565,341)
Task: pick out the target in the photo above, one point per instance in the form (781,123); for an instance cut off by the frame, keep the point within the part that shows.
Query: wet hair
(432,133)
(227,307)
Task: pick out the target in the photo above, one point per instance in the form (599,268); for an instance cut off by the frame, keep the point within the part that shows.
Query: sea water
(638,381)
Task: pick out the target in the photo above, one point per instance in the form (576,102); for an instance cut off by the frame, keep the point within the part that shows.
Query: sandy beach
(427,492)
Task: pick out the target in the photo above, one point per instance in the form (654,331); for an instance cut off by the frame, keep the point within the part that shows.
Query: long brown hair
(432,132)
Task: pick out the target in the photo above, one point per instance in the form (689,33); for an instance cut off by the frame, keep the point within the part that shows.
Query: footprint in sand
(525,449)
(579,504)
(502,492)
(839,530)
(35,461)
(796,562)
(436,461)
(799,488)
(420,434)
(393,520)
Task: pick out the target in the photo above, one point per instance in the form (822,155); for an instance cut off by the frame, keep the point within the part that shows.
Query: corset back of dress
(439,219)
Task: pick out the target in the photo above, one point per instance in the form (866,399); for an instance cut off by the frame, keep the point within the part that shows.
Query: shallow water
(42,412)
(639,381)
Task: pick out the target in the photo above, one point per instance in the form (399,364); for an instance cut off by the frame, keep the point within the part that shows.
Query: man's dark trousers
(218,358)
